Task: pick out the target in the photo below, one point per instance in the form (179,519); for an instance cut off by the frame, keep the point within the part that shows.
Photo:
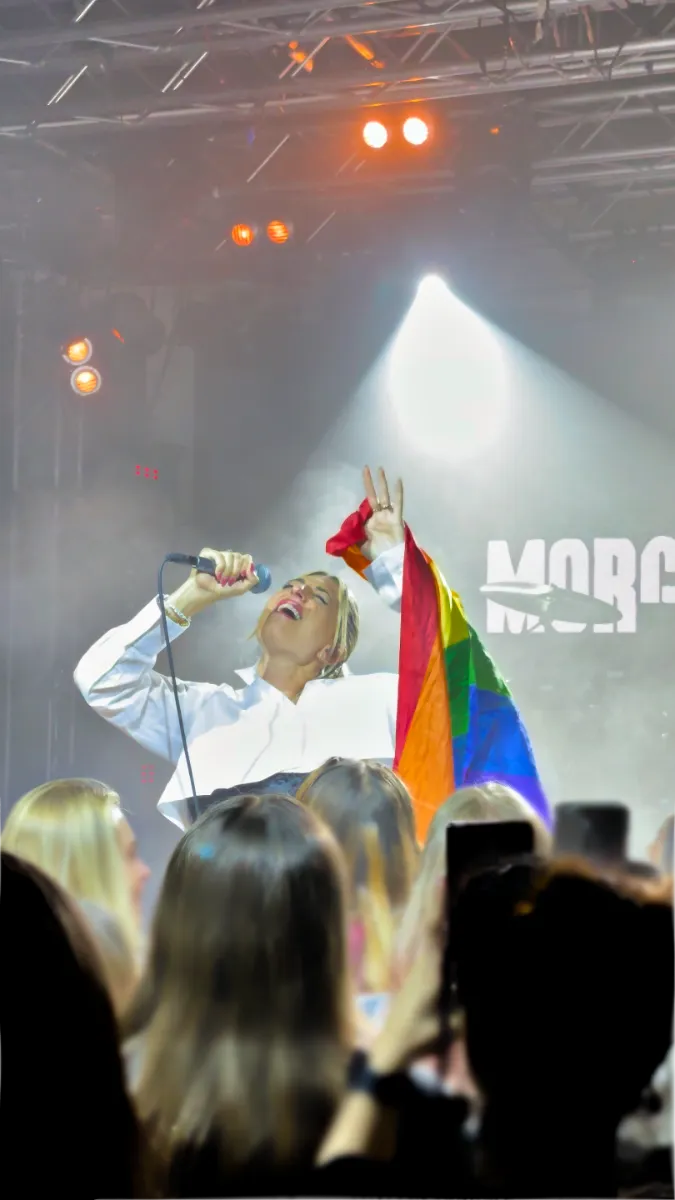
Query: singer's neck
(286,676)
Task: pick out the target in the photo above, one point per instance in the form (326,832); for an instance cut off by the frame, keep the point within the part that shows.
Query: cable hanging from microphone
(205,566)
(172,669)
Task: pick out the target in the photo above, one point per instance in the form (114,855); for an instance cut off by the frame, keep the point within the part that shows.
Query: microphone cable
(208,566)
(172,670)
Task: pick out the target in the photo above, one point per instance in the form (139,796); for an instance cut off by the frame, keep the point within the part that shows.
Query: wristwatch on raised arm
(389,1090)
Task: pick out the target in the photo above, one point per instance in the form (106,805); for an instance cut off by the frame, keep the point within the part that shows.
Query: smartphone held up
(471,848)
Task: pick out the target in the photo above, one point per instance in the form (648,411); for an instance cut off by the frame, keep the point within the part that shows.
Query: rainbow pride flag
(456,723)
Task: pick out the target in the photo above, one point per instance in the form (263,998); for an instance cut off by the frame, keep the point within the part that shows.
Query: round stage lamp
(78,351)
(415,131)
(243,235)
(85,381)
(375,135)
(278,232)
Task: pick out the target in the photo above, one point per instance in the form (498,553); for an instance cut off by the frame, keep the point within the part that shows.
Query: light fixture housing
(77,352)
(85,380)
(243,235)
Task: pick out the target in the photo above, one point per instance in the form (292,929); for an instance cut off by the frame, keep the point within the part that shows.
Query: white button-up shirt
(243,736)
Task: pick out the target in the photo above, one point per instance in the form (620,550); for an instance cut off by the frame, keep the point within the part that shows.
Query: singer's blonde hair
(346,626)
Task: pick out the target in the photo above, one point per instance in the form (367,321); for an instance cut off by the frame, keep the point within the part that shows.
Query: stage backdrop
(254,436)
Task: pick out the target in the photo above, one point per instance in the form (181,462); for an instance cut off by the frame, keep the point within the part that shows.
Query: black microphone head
(264,579)
(190,560)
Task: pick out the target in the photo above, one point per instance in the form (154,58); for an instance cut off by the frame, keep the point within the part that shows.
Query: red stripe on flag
(423,753)
(419,630)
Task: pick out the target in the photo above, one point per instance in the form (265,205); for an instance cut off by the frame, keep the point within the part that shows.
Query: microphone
(206,566)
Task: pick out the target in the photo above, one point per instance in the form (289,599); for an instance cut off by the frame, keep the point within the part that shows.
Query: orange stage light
(364,50)
(278,232)
(375,135)
(495,130)
(299,56)
(78,351)
(243,235)
(85,380)
(415,131)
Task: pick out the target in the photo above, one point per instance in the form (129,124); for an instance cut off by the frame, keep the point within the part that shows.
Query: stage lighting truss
(413,130)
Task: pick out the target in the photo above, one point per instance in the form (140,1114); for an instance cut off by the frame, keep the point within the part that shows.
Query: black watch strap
(389,1090)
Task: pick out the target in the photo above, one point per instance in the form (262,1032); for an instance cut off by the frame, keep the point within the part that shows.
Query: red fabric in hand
(352,532)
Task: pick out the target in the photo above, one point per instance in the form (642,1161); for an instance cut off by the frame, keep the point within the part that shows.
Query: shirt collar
(250,674)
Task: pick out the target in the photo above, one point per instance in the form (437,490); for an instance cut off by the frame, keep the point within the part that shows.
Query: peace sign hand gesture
(385,528)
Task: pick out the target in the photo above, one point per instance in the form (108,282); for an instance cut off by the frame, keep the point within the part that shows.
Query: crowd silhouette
(281,1029)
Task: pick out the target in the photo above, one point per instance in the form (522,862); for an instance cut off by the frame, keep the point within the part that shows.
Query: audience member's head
(487,802)
(567,987)
(68,1125)
(118,960)
(661,849)
(369,810)
(241,1022)
(75,831)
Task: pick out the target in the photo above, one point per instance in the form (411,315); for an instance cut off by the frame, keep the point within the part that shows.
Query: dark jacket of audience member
(567,987)
(68,1126)
(565,991)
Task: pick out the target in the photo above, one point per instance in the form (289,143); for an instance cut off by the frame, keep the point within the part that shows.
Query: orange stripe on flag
(425,765)
(356,560)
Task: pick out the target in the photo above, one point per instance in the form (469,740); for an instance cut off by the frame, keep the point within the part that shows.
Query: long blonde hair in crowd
(369,810)
(120,965)
(485,802)
(69,829)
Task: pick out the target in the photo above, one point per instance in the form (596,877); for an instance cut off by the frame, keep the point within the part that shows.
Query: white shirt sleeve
(386,575)
(117,679)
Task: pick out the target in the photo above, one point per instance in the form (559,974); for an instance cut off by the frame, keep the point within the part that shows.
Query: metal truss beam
(605,177)
(620,155)
(131,44)
(585,69)
(644,59)
(595,117)
(241,27)
(644,91)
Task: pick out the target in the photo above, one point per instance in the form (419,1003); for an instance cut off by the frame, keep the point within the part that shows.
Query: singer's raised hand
(234,574)
(385,528)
